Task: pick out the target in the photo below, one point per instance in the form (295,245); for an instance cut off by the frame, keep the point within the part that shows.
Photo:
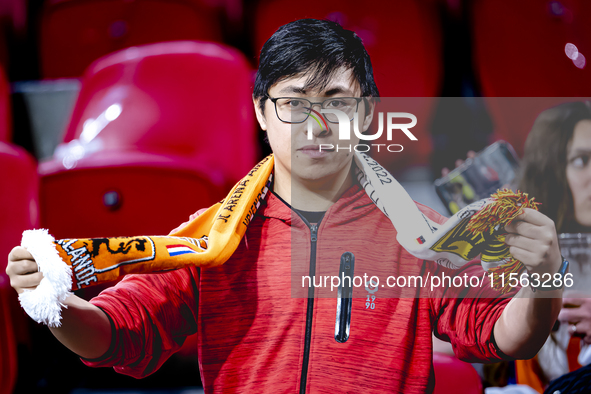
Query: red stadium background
(110,108)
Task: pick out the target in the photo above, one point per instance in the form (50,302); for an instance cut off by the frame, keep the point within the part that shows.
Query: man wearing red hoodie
(259,329)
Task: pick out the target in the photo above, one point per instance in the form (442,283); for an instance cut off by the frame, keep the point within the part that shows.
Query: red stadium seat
(157,132)
(403,40)
(122,194)
(5,123)
(520,51)
(453,376)
(8,355)
(18,212)
(186,99)
(74,33)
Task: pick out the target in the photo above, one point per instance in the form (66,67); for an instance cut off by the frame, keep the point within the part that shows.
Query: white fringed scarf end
(44,304)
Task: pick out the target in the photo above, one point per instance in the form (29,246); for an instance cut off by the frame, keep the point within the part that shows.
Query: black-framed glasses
(298,109)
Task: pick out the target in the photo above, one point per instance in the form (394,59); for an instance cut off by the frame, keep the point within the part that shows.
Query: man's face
(294,152)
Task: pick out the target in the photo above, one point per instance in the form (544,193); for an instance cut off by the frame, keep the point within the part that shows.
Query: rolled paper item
(212,237)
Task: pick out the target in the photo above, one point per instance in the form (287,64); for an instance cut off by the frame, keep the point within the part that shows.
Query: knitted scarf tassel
(492,219)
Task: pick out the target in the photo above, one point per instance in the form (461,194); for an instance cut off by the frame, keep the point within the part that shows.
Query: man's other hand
(532,240)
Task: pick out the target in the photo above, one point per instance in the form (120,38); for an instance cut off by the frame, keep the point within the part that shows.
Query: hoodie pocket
(345,298)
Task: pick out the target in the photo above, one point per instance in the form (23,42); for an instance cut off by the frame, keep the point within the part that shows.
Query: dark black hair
(316,47)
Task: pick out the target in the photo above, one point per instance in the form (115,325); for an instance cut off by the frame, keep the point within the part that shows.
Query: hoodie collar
(353,202)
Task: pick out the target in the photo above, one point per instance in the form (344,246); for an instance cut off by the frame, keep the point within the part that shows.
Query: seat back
(121,194)
(74,33)
(18,212)
(5,116)
(403,41)
(156,133)
(187,99)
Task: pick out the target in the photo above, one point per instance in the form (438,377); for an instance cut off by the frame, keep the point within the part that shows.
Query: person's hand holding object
(532,240)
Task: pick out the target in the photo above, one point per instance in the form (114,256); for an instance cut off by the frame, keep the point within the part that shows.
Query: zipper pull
(313,232)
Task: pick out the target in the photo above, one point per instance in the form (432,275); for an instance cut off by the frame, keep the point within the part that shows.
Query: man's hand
(576,311)
(85,328)
(532,240)
(22,270)
(525,323)
(527,320)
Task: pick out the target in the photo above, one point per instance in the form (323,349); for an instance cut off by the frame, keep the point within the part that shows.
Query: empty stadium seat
(187,99)
(18,212)
(454,376)
(157,132)
(520,50)
(74,33)
(121,194)
(3,44)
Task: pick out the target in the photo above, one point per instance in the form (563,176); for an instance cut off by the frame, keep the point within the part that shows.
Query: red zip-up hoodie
(260,332)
